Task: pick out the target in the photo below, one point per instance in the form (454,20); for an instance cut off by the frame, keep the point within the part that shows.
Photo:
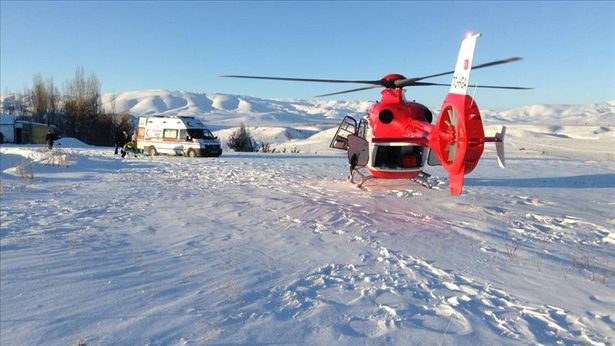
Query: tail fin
(461,76)
(458,136)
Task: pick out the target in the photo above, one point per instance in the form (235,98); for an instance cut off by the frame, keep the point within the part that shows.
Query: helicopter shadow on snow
(589,181)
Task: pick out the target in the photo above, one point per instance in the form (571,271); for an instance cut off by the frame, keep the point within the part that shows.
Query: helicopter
(397,138)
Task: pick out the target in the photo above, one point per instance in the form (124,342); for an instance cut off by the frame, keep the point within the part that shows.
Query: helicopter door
(358,157)
(347,127)
(358,151)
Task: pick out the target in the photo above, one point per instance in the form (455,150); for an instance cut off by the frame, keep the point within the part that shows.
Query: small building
(23,132)
(7,128)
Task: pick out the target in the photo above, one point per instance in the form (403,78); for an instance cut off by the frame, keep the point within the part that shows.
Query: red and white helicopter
(397,139)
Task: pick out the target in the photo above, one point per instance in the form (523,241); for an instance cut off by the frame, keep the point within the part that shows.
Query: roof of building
(6,119)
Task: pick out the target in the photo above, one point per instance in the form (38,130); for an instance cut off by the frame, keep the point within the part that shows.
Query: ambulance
(176,135)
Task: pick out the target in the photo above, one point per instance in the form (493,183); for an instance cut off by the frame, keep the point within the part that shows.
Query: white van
(176,135)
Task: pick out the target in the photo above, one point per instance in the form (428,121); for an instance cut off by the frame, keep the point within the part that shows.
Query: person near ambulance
(121,138)
(130,146)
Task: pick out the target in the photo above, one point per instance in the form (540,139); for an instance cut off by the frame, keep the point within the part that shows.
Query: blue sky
(568,47)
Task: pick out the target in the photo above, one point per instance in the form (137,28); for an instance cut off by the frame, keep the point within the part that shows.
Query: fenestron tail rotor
(453,130)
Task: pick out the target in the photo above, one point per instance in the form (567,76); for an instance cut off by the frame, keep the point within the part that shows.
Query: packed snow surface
(281,249)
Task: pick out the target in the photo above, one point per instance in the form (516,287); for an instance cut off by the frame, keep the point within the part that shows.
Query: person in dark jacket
(50,138)
(121,138)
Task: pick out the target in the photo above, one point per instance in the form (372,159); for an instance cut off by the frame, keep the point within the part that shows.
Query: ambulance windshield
(200,133)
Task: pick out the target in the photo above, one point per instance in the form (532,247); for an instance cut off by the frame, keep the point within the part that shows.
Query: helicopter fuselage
(398,136)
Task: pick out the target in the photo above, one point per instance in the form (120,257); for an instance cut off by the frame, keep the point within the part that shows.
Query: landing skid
(427,180)
(358,178)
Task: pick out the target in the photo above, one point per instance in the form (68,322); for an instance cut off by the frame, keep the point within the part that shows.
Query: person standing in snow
(121,138)
(50,138)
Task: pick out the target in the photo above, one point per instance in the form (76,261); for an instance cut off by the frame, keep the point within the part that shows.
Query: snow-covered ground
(280,249)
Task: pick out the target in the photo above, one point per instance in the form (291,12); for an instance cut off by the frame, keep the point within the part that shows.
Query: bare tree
(77,111)
(82,106)
(40,98)
(53,102)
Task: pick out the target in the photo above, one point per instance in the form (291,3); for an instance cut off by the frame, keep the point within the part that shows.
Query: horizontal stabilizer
(499,146)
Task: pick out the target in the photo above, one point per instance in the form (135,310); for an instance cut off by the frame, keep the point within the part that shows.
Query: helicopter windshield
(200,133)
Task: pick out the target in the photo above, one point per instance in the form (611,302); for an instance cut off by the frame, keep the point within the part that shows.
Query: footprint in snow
(525,200)
(496,210)
(370,327)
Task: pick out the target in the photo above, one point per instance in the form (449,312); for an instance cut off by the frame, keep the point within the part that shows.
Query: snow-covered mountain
(230,110)
(602,113)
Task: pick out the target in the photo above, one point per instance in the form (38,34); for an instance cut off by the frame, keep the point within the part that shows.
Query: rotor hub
(388,81)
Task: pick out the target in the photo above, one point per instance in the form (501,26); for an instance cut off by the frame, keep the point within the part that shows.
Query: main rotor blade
(375,82)
(350,91)
(472,86)
(400,83)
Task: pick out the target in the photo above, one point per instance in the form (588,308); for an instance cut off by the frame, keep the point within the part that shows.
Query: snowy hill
(225,110)
(592,114)
(230,110)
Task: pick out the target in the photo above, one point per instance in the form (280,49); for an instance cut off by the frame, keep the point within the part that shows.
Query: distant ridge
(230,110)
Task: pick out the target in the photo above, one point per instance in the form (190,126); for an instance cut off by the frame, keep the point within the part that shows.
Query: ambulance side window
(170,133)
(183,135)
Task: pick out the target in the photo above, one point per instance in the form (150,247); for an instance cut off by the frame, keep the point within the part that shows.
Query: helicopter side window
(362,130)
(427,114)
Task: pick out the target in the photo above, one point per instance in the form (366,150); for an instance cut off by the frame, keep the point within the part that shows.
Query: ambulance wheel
(191,153)
(152,151)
